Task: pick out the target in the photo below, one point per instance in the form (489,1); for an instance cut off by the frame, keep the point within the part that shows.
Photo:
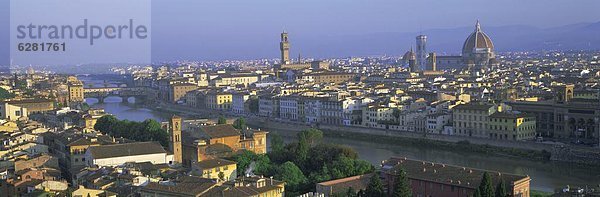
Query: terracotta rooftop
(128,149)
(448,174)
(341,185)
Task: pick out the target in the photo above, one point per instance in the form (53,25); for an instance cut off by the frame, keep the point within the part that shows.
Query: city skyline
(362,98)
(243,31)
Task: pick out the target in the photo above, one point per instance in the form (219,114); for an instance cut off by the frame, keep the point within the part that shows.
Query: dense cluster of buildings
(59,152)
(513,96)
(49,144)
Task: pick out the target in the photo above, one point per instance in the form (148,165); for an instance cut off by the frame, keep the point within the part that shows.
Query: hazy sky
(184,29)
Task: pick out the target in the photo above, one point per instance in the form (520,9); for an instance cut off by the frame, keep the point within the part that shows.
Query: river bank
(546,176)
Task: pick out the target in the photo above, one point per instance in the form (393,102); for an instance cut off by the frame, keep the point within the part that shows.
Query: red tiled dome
(477,39)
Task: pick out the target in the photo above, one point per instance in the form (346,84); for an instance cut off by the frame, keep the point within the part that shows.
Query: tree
(243,161)
(85,107)
(277,143)
(351,192)
(148,130)
(240,123)
(501,190)
(292,175)
(261,164)
(222,120)
(311,136)
(401,185)
(375,187)
(485,188)
(4,94)
(477,193)
(253,105)
(104,123)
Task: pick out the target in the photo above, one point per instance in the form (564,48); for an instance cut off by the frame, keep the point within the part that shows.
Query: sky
(242,29)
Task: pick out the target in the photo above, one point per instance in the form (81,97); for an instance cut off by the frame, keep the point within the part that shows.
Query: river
(546,176)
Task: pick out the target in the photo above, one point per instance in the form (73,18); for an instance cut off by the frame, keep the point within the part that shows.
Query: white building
(238,103)
(436,122)
(288,107)
(266,106)
(312,110)
(119,154)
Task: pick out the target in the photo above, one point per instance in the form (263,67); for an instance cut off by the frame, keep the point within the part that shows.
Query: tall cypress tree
(486,188)
(477,193)
(501,189)
(350,192)
(375,187)
(401,185)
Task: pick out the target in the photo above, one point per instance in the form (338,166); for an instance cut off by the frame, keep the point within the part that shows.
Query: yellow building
(512,126)
(373,115)
(85,192)
(328,77)
(472,119)
(193,186)
(35,105)
(178,90)
(220,169)
(219,100)
(9,126)
(76,92)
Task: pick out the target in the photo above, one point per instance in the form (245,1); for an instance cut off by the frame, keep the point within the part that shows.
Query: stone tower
(175,142)
(260,142)
(421,52)
(284,45)
(432,62)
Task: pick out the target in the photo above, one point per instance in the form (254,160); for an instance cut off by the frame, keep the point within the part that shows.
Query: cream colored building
(472,119)
(76,92)
(12,112)
(219,100)
(85,192)
(235,79)
(512,126)
(220,169)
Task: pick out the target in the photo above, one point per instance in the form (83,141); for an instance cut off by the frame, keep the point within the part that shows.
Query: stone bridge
(139,93)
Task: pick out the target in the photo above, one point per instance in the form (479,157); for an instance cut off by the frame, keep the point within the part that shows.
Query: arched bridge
(140,93)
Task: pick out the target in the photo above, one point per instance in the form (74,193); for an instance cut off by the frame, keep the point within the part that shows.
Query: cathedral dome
(477,41)
(409,55)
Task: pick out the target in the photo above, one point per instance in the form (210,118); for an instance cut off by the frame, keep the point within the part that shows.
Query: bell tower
(284,46)
(175,142)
